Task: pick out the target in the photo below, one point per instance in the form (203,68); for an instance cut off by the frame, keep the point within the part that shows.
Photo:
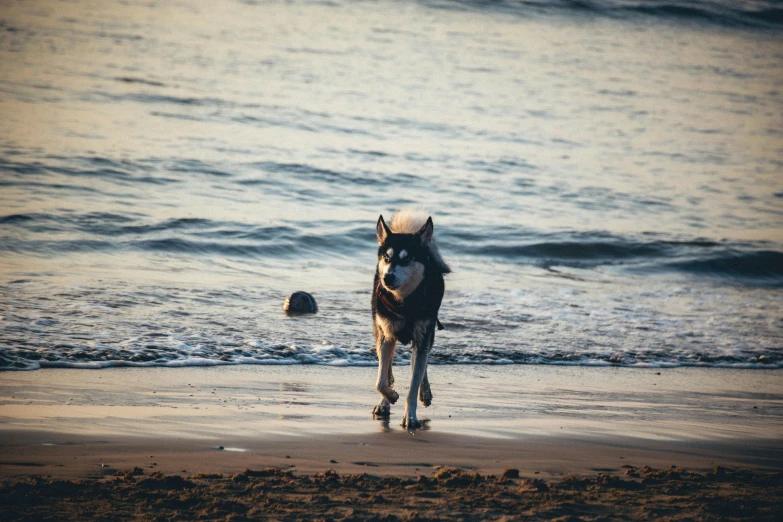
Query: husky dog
(405,302)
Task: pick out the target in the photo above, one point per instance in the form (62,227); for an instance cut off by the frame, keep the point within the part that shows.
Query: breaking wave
(261,353)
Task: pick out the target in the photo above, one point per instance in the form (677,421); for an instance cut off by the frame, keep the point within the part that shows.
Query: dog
(406,298)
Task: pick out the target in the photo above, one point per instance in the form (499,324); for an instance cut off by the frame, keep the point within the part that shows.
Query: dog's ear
(426,231)
(382,230)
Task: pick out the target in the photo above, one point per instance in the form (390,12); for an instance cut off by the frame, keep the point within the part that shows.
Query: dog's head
(402,257)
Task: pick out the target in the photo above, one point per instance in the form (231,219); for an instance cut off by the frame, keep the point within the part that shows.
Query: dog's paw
(425,396)
(390,395)
(410,422)
(382,409)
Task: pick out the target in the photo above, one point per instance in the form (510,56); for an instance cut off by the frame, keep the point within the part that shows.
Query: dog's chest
(399,319)
(405,334)
(404,330)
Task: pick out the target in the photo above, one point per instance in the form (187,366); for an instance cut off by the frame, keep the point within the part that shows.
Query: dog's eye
(386,258)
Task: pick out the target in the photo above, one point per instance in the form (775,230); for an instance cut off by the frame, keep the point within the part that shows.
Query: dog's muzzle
(388,281)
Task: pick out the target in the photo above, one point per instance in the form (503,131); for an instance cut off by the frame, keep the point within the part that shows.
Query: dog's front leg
(423,336)
(385,350)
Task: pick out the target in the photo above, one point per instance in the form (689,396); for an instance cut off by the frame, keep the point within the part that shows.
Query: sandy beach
(552,424)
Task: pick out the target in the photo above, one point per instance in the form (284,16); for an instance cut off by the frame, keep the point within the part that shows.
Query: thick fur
(409,220)
(406,298)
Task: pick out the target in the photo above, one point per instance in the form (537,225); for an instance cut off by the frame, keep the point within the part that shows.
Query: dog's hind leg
(385,351)
(425,394)
(423,336)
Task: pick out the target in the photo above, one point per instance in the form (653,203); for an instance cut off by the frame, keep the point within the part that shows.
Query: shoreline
(559,420)
(300,443)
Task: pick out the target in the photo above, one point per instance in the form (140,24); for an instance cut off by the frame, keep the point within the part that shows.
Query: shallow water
(605,179)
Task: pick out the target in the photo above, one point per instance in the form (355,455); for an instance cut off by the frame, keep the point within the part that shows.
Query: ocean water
(605,178)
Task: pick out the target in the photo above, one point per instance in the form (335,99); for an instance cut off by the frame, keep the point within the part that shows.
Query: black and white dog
(405,302)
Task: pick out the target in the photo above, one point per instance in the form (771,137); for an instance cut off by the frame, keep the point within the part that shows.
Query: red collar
(391,304)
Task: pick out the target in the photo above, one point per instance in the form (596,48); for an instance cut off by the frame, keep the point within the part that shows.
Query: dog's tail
(409,220)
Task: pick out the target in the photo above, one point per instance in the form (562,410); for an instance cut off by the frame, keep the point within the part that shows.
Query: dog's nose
(388,279)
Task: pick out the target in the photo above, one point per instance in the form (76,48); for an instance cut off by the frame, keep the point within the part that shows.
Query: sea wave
(761,14)
(762,264)
(47,234)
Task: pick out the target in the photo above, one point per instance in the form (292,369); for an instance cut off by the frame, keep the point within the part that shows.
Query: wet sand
(87,430)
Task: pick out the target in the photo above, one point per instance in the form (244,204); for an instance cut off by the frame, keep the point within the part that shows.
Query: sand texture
(447,494)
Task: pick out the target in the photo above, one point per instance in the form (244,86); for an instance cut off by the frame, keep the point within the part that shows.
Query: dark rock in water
(300,303)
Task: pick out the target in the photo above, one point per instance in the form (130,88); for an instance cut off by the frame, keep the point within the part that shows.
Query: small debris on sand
(510,473)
